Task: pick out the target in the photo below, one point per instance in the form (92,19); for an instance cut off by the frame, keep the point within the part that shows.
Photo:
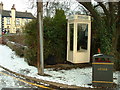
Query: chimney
(1,6)
(13,11)
(13,15)
(13,7)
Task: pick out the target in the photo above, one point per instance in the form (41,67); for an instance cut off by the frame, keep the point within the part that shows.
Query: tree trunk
(117,35)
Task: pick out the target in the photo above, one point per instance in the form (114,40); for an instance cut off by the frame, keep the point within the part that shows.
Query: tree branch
(104,8)
(90,8)
(96,5)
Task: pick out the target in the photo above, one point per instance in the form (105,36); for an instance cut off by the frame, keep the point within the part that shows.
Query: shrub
(30,31)
(54,38)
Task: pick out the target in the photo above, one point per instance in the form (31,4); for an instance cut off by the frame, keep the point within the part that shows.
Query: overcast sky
(23,5)
(20,5)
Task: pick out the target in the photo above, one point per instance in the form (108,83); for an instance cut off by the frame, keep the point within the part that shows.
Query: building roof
(6,13)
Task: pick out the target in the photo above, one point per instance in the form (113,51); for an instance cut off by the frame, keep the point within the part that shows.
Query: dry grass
(14,38)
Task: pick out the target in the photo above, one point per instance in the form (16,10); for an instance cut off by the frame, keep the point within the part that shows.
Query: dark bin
(102,73)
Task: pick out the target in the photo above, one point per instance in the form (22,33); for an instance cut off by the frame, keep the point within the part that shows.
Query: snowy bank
(79,77)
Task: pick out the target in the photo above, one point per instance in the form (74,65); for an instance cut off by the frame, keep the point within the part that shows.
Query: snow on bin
(102,74)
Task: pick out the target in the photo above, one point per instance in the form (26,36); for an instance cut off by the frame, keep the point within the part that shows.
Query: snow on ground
(79,77)
(9,82)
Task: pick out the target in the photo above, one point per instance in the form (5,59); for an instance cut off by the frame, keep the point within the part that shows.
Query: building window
(8,29)
(8,20)
(17,22)
(26,21)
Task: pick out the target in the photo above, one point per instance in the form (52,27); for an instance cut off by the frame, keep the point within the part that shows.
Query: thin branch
(104,8)
(90,8)
(96,6)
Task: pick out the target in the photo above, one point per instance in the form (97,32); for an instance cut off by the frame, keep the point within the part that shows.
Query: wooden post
(40,61)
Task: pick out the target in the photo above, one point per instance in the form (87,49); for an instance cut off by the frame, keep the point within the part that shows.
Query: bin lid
(102,56)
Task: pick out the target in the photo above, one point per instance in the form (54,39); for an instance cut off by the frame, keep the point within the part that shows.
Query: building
(12,21)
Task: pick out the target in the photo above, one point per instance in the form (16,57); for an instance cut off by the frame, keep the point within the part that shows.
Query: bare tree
(111,17)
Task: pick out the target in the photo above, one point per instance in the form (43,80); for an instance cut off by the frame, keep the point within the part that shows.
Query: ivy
(105,35)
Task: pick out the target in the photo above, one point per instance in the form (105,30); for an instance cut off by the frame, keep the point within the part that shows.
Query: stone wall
(19,49)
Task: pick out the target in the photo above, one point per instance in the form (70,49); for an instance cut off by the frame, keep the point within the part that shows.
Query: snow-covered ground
(9,82)
(79,77)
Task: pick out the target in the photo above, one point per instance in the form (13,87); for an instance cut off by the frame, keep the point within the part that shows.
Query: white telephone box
(78,39)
